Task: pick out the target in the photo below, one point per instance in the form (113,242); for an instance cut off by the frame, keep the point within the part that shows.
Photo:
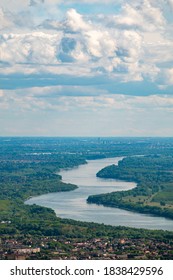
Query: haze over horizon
(86,69)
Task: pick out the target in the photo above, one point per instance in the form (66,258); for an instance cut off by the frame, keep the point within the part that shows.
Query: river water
(72,205)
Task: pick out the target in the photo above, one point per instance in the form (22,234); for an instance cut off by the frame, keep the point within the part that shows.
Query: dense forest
(154,191)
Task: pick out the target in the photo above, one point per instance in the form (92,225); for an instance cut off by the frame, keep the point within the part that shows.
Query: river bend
(72,205)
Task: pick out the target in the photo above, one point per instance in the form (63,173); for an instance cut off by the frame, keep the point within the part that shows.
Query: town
(54,248)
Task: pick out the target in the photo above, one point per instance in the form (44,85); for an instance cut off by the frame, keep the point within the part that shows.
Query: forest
(154,191)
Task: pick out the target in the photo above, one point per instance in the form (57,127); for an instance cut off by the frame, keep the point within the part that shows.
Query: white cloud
(71,98)
(169,76)
(14,6)
(35,47)
(5,21)
(1,93)
(92,57)
(131,45)
(75,21)
(58,114)
(140,14)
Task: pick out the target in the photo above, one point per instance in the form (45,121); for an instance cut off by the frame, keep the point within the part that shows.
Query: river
(72,205)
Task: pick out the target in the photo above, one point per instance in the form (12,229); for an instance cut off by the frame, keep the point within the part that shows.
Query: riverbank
(73,205)
(153,194)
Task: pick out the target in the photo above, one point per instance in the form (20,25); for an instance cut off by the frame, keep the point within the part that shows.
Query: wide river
(72,205)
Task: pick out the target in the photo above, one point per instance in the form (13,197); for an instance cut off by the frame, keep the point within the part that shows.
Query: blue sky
(88,68)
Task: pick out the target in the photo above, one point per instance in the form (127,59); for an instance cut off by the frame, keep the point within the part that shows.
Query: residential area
(23,248)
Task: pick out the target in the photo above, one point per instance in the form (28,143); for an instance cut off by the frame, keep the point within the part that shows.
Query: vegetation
(154,191)
(29,167)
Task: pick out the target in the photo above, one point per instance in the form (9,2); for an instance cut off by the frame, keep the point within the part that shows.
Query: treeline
(154,191)
(21,179)
(35,220)
(41,148)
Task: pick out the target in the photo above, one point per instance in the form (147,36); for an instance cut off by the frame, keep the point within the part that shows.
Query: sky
(86,68)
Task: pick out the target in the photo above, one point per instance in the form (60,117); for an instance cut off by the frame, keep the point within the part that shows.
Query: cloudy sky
(86,68)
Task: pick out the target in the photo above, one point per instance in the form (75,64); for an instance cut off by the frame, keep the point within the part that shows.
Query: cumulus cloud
(75,22)
(142,15)
(130,45)
(35,47)
(105,63)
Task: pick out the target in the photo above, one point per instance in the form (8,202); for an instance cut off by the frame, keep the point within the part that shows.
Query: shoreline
(107,206)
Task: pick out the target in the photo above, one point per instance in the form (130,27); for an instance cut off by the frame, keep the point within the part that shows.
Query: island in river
(28,168)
